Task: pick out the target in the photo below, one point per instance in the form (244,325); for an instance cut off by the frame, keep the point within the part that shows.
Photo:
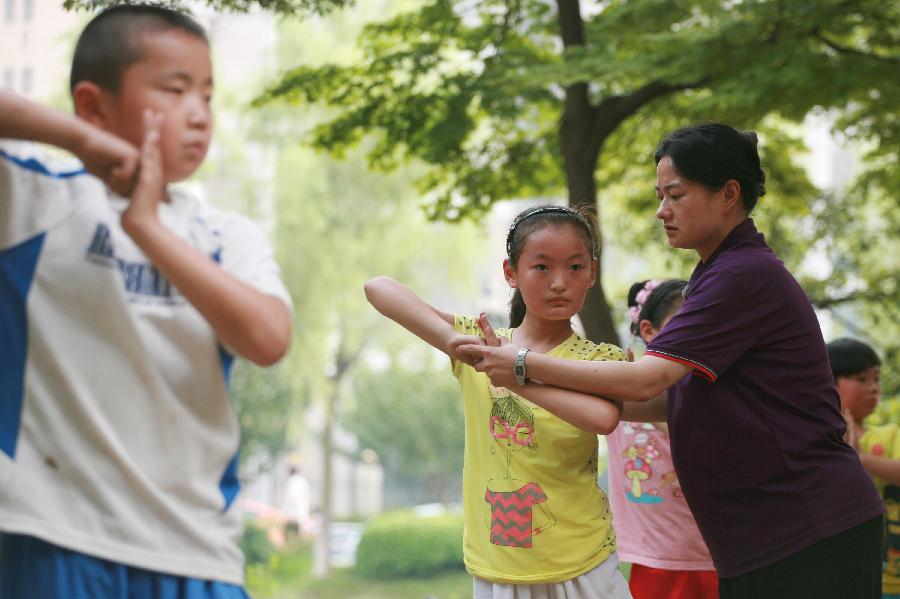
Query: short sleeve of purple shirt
(717,325)
(756,434)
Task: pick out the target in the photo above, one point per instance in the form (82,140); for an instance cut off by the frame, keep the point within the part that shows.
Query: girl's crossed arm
(587,412)
(404,307)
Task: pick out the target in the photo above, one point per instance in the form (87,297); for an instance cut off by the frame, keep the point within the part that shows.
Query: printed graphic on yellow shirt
(518,509)
(892,521)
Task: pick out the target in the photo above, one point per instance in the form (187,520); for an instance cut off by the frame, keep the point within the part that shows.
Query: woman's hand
(489,338)
(496,361)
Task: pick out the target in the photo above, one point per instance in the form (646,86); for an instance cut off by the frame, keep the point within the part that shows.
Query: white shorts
(603,582)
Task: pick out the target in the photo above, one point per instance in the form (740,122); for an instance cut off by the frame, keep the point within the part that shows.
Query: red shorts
(653,583)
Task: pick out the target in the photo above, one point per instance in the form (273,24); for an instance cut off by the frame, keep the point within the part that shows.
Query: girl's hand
(457,341)
(150,188)
(496,361)
(490,337)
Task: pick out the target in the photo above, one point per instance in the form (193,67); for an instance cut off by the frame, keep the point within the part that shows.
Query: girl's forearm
(587,412)
(401,305)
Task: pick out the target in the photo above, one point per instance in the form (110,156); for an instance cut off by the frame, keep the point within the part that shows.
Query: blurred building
(36,40)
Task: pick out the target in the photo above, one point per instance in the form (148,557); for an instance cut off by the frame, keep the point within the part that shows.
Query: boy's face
(860,392)
(173,77)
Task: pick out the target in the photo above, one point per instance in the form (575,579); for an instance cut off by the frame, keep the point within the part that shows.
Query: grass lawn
(289,576)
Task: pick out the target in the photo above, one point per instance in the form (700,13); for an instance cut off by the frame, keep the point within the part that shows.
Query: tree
(412,416)
(513,98)
(262,398)
(287,7)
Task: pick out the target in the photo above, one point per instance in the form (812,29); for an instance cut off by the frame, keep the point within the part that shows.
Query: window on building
(10,10)
(8,76)
(27,80)
(27,10)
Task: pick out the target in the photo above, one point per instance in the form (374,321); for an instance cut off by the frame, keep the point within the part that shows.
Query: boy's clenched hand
(109,158)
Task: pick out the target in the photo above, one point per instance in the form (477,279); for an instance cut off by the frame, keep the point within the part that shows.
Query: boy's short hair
(850,356)
(113,40)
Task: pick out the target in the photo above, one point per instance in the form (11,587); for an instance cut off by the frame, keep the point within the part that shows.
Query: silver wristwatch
(519,367)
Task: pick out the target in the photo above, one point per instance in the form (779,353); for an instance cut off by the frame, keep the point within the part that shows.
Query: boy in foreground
(123,305)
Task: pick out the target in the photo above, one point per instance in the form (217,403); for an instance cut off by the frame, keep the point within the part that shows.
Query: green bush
(255,544)
(400,544)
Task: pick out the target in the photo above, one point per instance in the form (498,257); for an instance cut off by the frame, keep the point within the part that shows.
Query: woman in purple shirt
(782,502)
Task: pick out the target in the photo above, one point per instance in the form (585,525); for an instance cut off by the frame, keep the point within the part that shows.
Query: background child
(655,529)
(856,368)
(537,524)
(121,318)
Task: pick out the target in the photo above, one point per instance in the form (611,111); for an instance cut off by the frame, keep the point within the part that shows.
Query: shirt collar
(743,232)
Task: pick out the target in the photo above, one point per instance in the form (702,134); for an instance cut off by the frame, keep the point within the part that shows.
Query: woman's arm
(626,381)
(404,307)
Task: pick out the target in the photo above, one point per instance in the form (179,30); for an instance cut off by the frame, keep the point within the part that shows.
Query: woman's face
(692,215)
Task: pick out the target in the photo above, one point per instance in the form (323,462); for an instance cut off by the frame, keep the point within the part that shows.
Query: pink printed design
(522,433)
(511,515)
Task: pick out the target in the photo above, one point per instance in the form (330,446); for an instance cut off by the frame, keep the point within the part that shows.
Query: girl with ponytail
(537,524)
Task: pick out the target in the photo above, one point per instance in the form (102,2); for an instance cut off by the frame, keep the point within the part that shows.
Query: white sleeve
(247,255)
(35,193)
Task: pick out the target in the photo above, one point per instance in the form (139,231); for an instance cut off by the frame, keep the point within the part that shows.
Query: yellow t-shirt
(533,510)
(884,441)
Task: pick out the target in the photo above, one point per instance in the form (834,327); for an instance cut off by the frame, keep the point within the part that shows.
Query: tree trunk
(583,130)
(580,145)
(322,547)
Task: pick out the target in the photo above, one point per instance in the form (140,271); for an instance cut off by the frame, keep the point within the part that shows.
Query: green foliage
(262,398)
(514,99)
(399,545)
(288,575)
(887,412)
(255,544)
(424,436)
(281,575)
(287,7)
(474,90)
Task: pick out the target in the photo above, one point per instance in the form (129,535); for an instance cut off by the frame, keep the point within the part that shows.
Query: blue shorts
(34,569)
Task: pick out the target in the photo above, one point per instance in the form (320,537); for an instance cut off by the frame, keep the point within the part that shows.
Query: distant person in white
(296,504)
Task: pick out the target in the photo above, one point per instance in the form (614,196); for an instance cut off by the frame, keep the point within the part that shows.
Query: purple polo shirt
(756,430)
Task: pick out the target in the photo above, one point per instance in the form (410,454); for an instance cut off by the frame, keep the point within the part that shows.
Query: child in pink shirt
(654,526)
